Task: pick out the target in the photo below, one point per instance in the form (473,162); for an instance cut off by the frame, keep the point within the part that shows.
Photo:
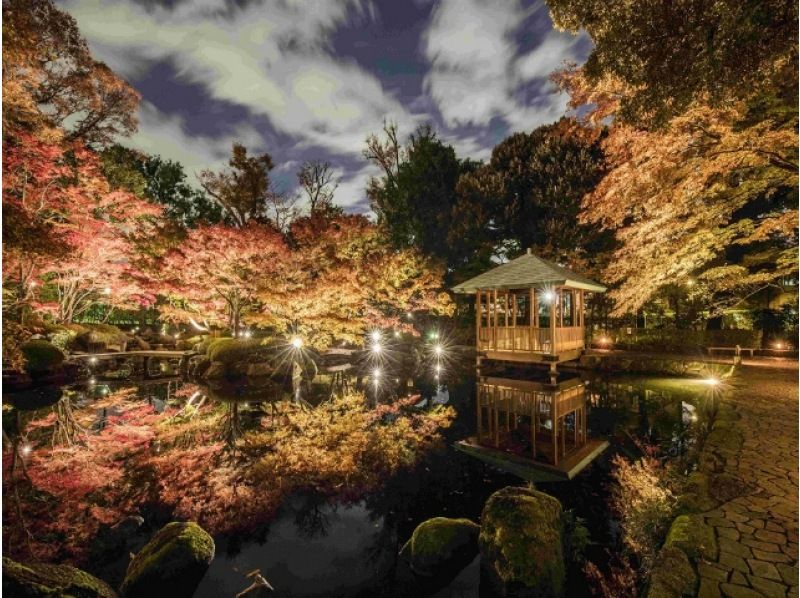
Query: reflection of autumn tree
(177,460)
(67,431)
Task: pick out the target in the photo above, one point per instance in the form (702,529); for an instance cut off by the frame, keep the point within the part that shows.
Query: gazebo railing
(530,340)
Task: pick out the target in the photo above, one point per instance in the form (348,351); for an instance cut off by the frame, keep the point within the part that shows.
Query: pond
(338,536)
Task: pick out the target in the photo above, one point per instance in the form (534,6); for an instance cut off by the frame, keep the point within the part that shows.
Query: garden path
(757,531)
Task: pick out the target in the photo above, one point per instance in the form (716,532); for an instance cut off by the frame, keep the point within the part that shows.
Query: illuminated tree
(712,195)
(347,279)
(243,189)
(72,234)
(223,273)
(51,80)
(673,55)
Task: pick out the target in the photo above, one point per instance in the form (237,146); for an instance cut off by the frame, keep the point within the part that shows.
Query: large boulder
(441,546)
(41,357)
(171,564)
(49,581)
(521,543)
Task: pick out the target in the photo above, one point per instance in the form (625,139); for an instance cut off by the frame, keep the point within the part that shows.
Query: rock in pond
(441,546)
(171,564)
(48,581)
(521,543)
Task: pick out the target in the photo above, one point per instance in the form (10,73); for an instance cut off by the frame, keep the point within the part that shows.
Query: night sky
(305,79)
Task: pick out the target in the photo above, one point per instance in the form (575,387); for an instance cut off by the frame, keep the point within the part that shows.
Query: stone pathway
(756,531)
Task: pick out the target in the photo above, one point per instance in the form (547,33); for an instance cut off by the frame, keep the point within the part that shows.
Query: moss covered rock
(441,546)
(171,564)
(693,536)
(672,575)
(41,357)
(51,581)
(521,543)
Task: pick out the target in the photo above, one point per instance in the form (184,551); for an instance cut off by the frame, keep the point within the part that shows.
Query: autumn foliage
(224,465)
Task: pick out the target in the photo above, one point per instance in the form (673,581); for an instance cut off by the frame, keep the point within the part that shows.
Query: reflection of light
(297,342)
(375,335)
(376,347)
(438,349)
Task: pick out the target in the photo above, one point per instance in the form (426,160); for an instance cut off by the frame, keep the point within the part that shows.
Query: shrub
(673,340)
(41,356)
(63,335)
(230,351)
(100,334)
(645,504)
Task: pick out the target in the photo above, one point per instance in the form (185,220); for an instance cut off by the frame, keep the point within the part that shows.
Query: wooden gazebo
(530,310)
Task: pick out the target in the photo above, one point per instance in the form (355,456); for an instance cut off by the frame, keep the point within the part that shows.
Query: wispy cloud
(478,66)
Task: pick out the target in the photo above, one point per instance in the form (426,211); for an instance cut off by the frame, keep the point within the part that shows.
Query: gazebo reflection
(533,425)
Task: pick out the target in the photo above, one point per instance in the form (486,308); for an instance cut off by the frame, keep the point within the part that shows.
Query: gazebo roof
(528,271)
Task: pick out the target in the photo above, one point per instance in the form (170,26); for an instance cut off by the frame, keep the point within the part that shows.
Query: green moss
(231,351)
(672,575)
(441,543)
(63,335)
(693,537)
(51,581)
(41,356)
(521,542)
(99,334)
(172,563)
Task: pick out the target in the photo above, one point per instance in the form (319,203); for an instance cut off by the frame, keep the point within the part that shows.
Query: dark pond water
(317,546)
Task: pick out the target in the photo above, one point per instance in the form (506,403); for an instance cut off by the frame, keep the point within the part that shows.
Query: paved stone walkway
(756,528)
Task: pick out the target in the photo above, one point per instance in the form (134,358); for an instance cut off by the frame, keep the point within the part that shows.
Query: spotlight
(93,360)
(92,380)
(107,291)
(26,449)
(376,347)
(549,296)
(297,342)
(397,334)
(247,334)
(438,349)
(712,381)
(375,335)
(376,373)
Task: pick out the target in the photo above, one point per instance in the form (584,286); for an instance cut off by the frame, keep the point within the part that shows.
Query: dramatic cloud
(307,79)
(477,68)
